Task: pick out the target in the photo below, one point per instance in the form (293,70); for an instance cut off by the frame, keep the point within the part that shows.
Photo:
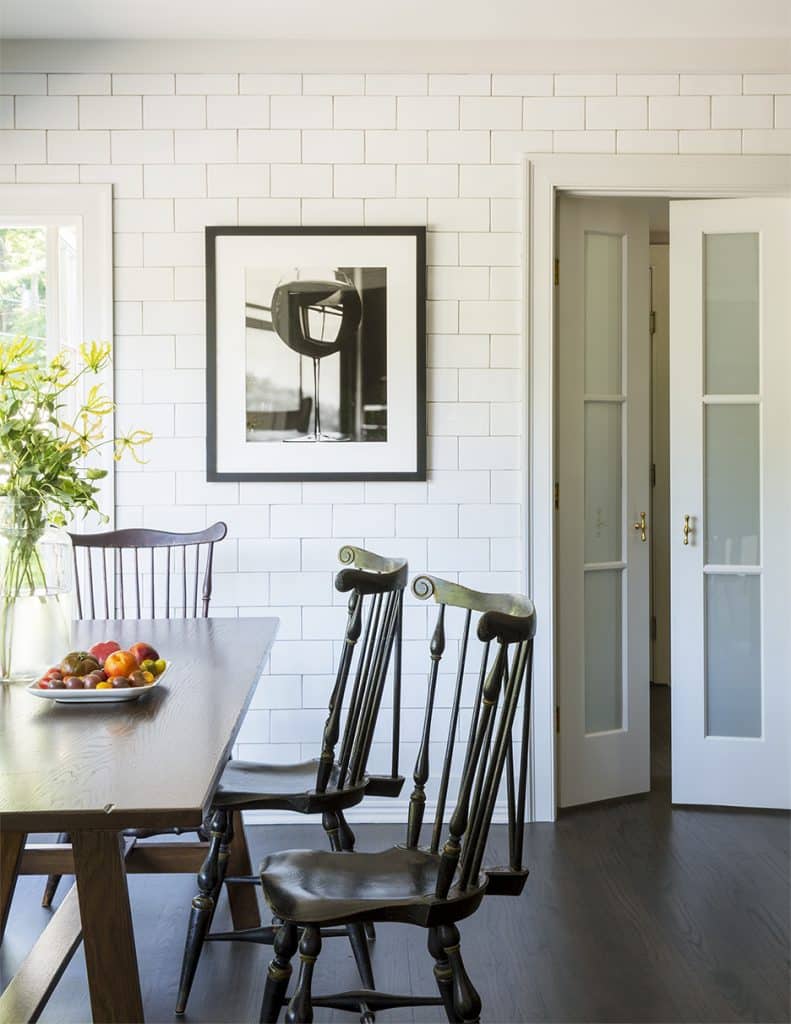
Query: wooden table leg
(11,846)
(107,932)
(242,899)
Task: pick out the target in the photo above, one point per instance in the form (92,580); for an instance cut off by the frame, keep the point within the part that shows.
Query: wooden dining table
(93,770)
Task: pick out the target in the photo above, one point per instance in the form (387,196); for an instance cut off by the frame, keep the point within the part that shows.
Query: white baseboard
(373,811)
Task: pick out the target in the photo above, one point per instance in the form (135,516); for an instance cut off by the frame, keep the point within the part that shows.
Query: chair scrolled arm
(514,606)
(369,573)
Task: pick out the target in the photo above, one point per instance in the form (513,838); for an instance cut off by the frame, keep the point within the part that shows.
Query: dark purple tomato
(75,683)
(120,682)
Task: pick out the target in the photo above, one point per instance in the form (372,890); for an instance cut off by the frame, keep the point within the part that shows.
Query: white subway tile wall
(187,150)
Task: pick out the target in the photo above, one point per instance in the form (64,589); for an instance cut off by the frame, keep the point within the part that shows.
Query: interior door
(730,496)
(603,531)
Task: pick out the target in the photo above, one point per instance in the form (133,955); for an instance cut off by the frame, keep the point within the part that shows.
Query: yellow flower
(131,442)
(96,403)
(17,357)
(85,436)
(96,355)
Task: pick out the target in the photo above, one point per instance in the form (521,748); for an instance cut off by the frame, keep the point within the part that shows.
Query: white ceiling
(352,20)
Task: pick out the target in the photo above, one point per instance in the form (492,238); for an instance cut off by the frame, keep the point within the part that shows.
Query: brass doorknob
(641,527)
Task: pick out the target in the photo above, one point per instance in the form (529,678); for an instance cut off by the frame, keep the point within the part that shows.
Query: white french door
(730,499)
(603,530)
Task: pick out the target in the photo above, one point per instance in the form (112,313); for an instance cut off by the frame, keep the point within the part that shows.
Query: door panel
(603,475)
(730,443)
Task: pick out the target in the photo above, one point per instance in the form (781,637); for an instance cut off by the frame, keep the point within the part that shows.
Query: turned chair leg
(53,881)
(338,833)
(209,881)
(300,1008)
(442,974)
(279,972)
(466,1001)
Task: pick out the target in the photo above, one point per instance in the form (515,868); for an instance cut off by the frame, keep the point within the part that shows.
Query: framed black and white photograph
(316,353)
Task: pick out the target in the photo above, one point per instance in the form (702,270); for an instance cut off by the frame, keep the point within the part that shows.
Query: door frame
(543,178)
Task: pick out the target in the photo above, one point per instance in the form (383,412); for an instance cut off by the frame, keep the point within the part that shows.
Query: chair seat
(253,786)
(318,887)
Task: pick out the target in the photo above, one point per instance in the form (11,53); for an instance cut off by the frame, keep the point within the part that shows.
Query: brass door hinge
(557,496)
(557,271)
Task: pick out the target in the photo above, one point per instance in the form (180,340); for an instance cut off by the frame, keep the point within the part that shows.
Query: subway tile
(396,85)
(196,214)
(522,85)
(194,489)
(332,492)
(141,283)
(388,491)
(442,317)
(78,147)
(189,283)
(458,147)
(365,180)
(710,85)
(767,141)
(395,211)
(46,112)
(270,85)
(442,384)
(143,147)
(490,249)
(23,147)
(174,180)
(709,141)
(301,112)
(333,211)
(143,214)
(459,85)
(183,112)
(290,588)
(453,555)
(427,520)
(191,84)
(510,147)
(647,85)
(489,180)
(490,112)
(143,84)
(301,521)
(506,418)
(442,248)
(111,112)
(128,249)
(170,318)
(61,174)
(361,520)
(767,83)
(392,147)
(275,147)
(364,112)
(489,453)
(584,85)
(427,180)
(458,350)
(458,419)
(6,113)
(741,112)
(489,385)
(489,317)
(616,112)
(190,421)
(333,147)
(237,112)
(22,84)
(505,283)
(238,179)
(584,142)
(505,350)
(269,211)
(506,486)
(190,353)
(217,146)
(506,214)
(647,142)
(171,249)
(428,112)
(78,85)
(458,282)
(675,112)
(782,111)
(468,214)
(301,180)
(333,85)
(454,486)
(554,112)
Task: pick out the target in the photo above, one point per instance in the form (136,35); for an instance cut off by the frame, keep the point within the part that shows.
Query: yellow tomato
(104,686)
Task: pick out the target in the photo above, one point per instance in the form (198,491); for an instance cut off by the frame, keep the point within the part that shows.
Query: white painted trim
(90,208)
(688,55)
(543,177)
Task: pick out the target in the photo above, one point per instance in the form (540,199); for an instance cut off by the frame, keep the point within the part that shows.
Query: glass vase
(35,591)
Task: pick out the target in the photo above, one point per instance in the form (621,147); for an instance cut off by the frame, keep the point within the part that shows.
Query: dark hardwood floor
(633,912)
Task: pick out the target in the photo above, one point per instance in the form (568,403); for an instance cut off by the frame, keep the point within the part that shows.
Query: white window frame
(87,208)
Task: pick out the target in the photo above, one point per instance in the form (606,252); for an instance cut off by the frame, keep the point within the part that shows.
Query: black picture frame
(213,353)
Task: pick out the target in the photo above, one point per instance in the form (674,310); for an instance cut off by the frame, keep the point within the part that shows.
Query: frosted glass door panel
(733,655)
(731,311)
(603,646)
(603,313)
(732,480)
(602,482)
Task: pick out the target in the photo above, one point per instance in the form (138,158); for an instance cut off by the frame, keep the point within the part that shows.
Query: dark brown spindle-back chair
(117,575)
(338,778)
(436,886)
